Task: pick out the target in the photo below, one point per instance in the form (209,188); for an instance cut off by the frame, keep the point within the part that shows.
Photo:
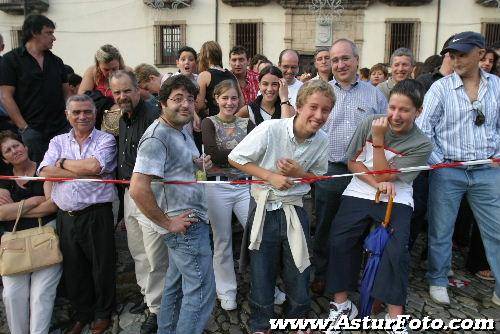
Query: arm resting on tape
(34,207)
(278,181)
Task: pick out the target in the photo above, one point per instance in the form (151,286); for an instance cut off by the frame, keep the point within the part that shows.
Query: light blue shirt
(448,120)
(352,105)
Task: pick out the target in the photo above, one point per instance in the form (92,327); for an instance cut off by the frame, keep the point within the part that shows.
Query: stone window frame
(415,38)
(158,27)
(260,34)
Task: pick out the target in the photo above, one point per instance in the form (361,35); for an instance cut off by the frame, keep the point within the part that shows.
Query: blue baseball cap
(464,42)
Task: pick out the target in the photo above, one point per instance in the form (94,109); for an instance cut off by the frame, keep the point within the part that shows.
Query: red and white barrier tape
(296,180)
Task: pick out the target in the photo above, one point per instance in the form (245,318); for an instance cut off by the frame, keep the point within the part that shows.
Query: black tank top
(216,76)
(31,188)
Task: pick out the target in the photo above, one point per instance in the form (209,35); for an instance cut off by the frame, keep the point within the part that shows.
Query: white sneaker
(396,330)
(495,299)
(279,296)
(337,310)
(439,294)
(228,304)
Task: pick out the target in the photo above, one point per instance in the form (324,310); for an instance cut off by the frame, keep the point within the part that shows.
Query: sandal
(486,275)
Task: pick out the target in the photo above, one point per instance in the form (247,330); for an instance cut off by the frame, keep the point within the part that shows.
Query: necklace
(167,122)
(226,121)
(271,112)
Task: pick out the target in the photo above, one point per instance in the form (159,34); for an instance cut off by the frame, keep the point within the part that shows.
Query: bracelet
(377,146)
(286,102)
(62,162)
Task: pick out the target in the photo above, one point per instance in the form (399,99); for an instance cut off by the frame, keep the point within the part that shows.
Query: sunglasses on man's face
(477,107)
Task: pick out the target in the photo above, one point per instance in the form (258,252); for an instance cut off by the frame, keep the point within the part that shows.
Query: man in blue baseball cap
(465,42)
(461,117)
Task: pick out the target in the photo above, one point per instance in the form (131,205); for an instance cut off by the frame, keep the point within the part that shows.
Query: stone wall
(301,29)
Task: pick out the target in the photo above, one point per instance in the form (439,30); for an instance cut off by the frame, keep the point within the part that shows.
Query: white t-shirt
(293,90)
(251,115)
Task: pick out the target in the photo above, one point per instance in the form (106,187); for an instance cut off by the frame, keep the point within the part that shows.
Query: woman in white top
(272,101)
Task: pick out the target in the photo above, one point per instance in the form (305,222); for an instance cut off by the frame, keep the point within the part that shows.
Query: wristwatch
(61,162)
(286,102)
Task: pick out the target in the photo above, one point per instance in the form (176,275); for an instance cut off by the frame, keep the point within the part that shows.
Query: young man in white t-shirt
(276,151)
(379,143)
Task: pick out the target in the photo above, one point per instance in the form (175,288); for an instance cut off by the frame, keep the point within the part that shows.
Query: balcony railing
(16,7)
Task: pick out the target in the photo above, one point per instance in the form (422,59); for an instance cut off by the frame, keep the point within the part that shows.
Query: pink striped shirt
(72,196)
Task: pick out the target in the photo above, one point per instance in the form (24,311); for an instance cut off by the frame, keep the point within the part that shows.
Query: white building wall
(83,26)
(273,18)
(456,16)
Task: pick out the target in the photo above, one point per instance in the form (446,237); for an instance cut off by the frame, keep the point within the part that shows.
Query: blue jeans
(274,254)
(447,186)
(189,294)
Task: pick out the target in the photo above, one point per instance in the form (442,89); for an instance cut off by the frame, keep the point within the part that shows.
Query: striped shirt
(448,120)
(252,88)
(352,106)
(72,196)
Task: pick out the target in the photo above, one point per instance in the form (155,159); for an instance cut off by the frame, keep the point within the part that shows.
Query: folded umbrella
(374,244)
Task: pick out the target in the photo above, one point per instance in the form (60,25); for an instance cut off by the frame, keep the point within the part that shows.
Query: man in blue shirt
(356,100)
(462,118)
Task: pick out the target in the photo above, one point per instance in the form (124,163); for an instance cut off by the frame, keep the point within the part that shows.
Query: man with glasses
(462,118)
(144,239)
(356,100)
(288,62)
(179,211)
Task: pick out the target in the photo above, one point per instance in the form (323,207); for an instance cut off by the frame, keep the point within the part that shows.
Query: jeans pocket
(196,240)
(171,240)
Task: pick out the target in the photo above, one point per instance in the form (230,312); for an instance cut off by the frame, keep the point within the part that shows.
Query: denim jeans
(328,195)
(447,186)
(274,255)
(189,294)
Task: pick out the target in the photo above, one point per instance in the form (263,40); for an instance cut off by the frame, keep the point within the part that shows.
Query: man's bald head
(288,62)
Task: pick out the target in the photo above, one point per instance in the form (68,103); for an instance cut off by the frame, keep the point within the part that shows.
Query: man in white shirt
(288,63)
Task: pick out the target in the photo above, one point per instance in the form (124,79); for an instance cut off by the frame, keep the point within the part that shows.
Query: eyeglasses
(181,99)
(344,59)
(480,118)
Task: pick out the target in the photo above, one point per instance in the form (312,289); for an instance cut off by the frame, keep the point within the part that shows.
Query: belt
(225,178)
(86,210)
(337,163)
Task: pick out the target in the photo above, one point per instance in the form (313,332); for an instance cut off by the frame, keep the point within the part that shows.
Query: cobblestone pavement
(472,301)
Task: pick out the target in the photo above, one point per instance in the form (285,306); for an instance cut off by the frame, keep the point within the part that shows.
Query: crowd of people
(254,121)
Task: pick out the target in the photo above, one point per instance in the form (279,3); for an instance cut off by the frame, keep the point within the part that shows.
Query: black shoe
(150,325)
(138,307)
